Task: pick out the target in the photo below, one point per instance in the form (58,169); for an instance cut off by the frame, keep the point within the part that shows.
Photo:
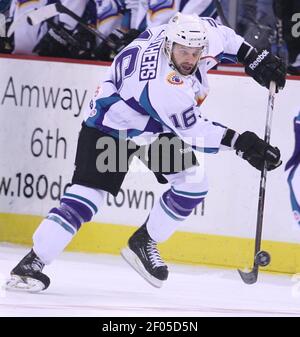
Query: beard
(185,68)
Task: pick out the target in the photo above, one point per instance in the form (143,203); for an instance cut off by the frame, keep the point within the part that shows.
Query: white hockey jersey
(143,96)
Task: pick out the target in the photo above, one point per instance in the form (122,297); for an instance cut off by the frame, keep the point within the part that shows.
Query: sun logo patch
(173,78)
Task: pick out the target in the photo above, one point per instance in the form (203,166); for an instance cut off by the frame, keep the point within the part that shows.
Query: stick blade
(249,277)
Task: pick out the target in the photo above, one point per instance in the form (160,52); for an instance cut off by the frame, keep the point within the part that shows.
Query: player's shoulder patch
(174,79)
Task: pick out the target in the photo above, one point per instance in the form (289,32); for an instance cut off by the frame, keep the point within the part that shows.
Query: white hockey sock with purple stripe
(170,210)
(78,205)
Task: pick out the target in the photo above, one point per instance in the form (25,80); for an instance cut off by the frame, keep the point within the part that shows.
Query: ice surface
(104,285)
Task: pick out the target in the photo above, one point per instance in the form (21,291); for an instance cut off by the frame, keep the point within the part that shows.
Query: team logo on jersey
(173,78)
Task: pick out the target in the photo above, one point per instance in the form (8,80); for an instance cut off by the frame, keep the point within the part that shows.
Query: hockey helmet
(187,30)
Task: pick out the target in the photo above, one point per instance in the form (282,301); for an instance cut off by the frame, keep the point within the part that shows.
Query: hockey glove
(263,66)
(122,39)
(86,44)
(107,49)
(130,35)
(115,42)
(256,151)
(58,41)
(52,44)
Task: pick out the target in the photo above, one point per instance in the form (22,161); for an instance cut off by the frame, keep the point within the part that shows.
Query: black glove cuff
(228,138)
(244,52)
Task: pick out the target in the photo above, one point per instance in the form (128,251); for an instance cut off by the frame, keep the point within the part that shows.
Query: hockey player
(113,21)
(153,90)
(293,167)
(152,13)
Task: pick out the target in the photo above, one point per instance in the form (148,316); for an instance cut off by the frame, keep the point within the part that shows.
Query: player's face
(185,58)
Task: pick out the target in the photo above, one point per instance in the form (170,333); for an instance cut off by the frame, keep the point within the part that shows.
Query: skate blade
(132,259)
(24,284)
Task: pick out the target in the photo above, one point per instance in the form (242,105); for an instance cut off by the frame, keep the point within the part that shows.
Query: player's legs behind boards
(54,233)
(173,207)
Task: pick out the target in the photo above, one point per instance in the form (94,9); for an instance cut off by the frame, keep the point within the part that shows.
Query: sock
(55,232)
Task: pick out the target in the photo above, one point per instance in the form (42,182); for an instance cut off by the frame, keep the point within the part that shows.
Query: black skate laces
(154,256)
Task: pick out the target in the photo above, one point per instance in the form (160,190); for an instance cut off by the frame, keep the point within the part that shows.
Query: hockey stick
(61,9)
(64,10)
(261,258)
(221,13)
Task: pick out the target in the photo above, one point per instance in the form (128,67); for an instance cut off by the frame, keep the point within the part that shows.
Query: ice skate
(143,255)
(28,276)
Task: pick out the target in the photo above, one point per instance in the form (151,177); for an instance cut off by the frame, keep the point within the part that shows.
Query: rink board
(43,103)
(183,247)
